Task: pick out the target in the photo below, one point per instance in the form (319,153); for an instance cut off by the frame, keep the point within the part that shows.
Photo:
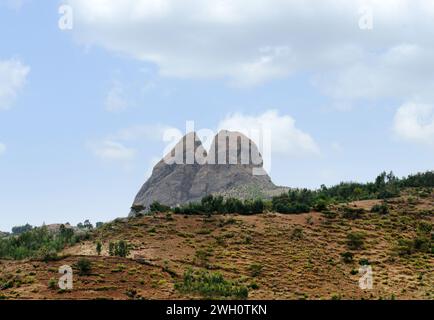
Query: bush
(296,201)
(255,269)
(382,208)
(158,207)
(233,205)
(202,257)
(211,204)
(52,284)
(84,266)
(297,234)
(424,227)
(46,254)
(355,240)
(421,243)
(321,205)
(330,214)
(352,213)
(405,247)
(347,257)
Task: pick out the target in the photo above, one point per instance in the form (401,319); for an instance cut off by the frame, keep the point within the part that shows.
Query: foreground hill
(266,256)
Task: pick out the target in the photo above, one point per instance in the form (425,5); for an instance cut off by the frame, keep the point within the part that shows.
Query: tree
(84,266)
(122,249)
(87,225)
(119,249)
(98,247)
(111,249)
(21,229)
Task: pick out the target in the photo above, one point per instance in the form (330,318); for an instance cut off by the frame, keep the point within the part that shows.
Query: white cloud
(2,148)
(13,75)
(124,145)
(248,42)
(415,122)
(286,138)
(112,151)
(116,100)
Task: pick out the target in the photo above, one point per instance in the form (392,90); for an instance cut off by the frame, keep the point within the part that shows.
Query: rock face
(188,172)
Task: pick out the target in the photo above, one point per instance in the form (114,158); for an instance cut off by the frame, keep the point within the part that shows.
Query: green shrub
(119,249)
(211,285)
(255,269)
(202,257)
(424,227)
(321,205)
(382,208)
(355,240)
(52,284)
(158,207)
(352,213)
(84,266)
(297,233)
(329,214)
(347,257)
(421,243)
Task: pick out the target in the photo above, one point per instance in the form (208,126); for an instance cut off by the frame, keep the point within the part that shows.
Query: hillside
(270,256)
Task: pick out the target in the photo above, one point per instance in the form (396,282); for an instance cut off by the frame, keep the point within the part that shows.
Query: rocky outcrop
(188,172)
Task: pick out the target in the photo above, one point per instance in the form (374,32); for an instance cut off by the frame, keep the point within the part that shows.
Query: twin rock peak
(232,167)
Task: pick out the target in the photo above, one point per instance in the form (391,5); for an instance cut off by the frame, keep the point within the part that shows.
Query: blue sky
(82,111)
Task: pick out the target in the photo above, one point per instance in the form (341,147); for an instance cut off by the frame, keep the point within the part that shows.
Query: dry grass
(260,252)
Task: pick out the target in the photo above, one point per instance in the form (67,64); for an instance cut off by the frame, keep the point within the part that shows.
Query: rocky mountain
(232,167)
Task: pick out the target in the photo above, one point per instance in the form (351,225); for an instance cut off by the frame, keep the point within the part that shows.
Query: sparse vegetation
(263,251)
(37,243)
(211,285)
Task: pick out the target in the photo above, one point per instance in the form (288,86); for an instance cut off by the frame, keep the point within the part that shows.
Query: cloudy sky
(346,88)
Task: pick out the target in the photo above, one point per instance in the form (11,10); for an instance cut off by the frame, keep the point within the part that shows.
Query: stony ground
(276,256)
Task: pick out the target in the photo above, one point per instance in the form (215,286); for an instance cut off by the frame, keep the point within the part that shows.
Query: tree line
(385,186)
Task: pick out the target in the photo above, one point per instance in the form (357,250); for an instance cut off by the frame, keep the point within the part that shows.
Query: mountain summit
(232,167)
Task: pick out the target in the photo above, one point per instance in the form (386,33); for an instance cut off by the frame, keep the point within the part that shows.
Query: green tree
(98,247)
